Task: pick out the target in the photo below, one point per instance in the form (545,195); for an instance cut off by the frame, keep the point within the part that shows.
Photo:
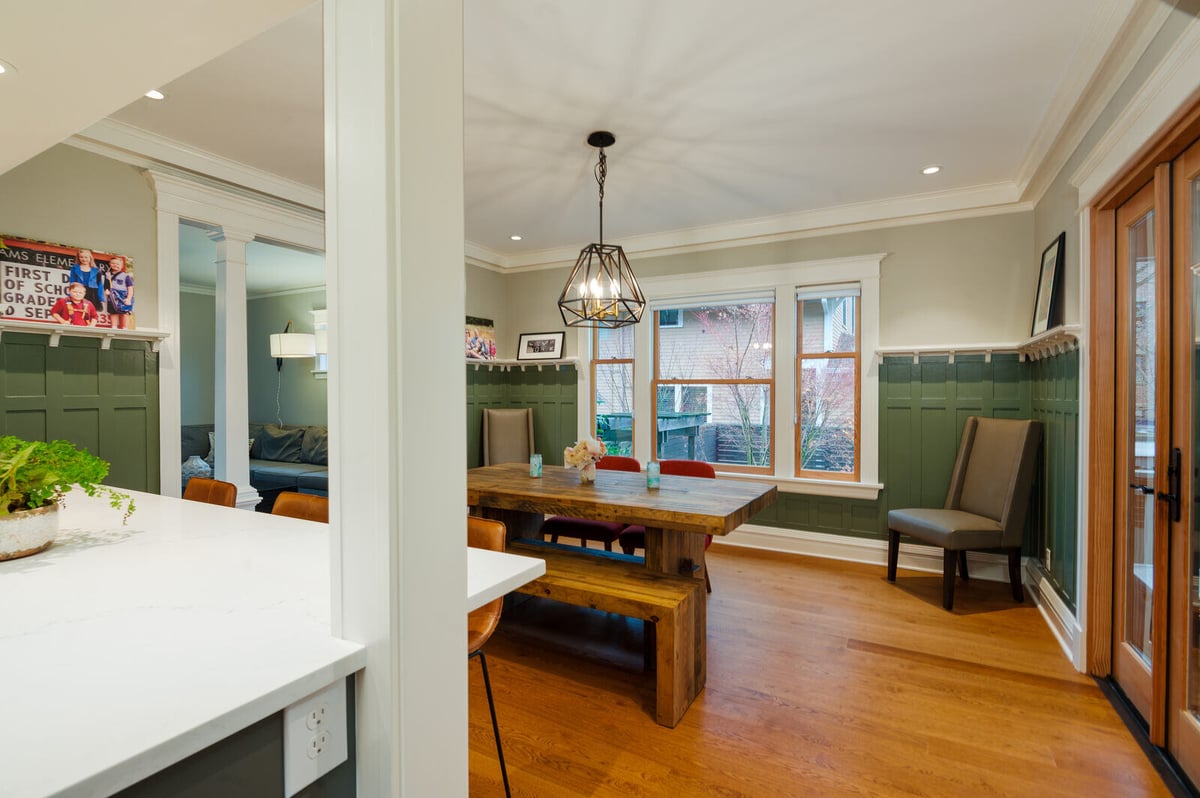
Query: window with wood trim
(827,382)
(612,388)
(714,382)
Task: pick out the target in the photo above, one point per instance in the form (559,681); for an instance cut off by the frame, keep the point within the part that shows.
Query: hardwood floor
(823,680)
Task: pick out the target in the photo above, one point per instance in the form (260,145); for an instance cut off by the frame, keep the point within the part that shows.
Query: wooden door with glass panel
(1183,732)
(1142,426)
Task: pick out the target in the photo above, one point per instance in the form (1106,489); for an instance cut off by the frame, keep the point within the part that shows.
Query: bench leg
(675,648)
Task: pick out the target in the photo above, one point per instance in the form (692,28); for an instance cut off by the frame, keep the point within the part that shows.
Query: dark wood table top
(687,504)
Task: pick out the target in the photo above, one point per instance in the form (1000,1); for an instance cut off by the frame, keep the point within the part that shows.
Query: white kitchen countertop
(125,649)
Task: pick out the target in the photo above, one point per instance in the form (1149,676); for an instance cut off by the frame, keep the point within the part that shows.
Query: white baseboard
(916,557)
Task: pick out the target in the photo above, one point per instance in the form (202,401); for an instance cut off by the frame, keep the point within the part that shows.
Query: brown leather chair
(211,491)
(588,528)
(634,536)
(486,534)
(985,506)
(305,506)
(507,435)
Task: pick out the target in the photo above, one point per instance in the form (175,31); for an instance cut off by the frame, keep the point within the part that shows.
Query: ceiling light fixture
(514,238)
(6,67)
(931,170)
(155,94)
(602,290)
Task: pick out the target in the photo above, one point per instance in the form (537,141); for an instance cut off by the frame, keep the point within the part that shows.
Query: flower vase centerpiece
(583,457)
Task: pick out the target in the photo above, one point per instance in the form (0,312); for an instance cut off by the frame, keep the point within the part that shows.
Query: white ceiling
(270,268)
(764,116)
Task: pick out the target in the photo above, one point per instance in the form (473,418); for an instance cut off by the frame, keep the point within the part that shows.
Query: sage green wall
(71,197)
(550,392)
(197,357)
(302,396)
(486,298)
(957,282)
(1058,208)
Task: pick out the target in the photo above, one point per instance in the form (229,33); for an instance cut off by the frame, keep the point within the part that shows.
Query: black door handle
(1173,474)
(1148,490)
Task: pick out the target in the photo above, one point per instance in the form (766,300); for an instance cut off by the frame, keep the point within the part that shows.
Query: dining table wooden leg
(669,551)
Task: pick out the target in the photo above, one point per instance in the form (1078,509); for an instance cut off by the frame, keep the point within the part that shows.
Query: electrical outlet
(314,737)
(1047,559)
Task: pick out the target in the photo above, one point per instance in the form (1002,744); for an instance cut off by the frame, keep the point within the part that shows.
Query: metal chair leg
(487,686)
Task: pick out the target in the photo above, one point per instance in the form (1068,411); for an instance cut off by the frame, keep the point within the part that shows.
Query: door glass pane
(1193,670)
(1139,578)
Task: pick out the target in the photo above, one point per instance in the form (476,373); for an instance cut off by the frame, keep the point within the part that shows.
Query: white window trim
(783,281)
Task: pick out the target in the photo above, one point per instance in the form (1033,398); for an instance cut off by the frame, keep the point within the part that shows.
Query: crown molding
(989,200)
(1114,43)
(306,289)
(139,147)
(191,288)
(1173,83)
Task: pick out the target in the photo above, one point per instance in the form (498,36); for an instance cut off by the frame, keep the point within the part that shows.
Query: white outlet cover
(299,768)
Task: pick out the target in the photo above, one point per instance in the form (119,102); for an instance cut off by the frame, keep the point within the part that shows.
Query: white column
(232,391)
(397,387)
(169,396)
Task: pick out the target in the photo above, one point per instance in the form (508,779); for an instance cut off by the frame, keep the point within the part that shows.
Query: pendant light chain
(601,176)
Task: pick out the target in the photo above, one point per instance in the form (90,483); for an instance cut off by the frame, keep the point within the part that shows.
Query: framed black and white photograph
(1048,309)
(540,346)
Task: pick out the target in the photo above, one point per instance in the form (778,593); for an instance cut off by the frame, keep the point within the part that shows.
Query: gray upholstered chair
(507,435)
(985,506)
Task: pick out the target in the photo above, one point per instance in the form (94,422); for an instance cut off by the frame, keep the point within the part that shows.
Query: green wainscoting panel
(1055,387)
(550,391)
(105,400)
(922,409)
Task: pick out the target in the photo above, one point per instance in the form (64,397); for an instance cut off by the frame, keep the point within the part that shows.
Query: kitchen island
(125,649)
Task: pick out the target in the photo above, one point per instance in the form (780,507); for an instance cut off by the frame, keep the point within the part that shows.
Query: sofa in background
(282,457)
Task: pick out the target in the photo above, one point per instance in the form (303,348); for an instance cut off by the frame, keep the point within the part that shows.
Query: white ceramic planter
(28,531)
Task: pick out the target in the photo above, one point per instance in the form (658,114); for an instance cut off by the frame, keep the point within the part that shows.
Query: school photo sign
(57,284)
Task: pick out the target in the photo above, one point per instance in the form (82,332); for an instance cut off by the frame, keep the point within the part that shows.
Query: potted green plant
(34,478)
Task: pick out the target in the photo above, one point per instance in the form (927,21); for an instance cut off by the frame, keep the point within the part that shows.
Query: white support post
(396,266)
(169,395)
(232,399)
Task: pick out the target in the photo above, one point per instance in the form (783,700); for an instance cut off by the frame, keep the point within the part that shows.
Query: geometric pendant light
(602,290)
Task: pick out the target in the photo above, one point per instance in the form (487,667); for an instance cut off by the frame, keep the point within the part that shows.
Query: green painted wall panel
(103,399)
(551,392)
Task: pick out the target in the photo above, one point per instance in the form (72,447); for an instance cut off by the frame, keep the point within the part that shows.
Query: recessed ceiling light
(6,67)
(155,94)
(931,170)
(515,238)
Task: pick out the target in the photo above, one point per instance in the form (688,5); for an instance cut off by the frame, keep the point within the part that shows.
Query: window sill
(868,491)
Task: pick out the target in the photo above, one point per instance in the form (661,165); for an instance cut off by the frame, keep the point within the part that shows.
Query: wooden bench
(615,583)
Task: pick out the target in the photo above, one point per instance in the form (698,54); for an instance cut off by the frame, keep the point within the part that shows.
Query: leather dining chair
(305,506)
(586,529)
(486,534)
(211,491)
(985,506)
(634,536)
(507,435)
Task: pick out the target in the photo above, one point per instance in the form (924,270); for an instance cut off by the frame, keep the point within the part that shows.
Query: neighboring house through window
(761,371)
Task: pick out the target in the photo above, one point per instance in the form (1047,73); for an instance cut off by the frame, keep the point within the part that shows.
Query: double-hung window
(714,382)
(765,372)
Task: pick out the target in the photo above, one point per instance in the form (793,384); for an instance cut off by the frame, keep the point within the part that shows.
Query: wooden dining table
(676,515)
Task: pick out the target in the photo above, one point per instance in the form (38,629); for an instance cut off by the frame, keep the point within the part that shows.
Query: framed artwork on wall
(540,346)
(62,284)
(481,338)
(1048,309)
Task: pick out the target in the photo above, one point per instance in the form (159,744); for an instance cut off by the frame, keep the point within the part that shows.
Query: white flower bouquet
(583,456)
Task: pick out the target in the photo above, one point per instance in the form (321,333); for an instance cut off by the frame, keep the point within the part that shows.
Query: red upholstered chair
(634,536)
(486,534)
(586,528)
